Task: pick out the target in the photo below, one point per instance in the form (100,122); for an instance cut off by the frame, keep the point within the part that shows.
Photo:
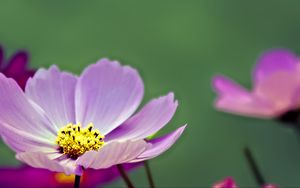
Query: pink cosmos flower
(275,92)
(16,67)
(66,123)
(225,183)
(230,183)
(36,178)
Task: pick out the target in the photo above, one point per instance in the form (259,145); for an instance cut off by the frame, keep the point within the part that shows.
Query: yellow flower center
(63,178)
(74,141)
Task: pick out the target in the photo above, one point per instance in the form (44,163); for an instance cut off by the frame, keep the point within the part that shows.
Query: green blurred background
(177,46)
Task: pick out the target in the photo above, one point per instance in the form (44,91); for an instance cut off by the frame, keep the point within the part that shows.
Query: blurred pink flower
(270,186)
(230,183)
(225,183)
(35,178)
(16,67)
(276,87)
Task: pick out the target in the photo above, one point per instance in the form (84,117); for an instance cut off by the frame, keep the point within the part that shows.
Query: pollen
(74,141)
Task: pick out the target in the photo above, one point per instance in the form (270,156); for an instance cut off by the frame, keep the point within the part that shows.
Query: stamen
(78,140)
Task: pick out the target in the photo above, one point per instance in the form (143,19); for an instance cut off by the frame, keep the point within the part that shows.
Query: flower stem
(77,181)
(254,168)
(149,175)
(125,176)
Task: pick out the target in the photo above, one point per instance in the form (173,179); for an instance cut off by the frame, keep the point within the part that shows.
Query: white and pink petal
(112,153)
(160,145)
(20,116)
(272,61)
(107,94)
(280,89)
(54,92)
(42,160)
(225,86)
(150,119)
(21,141)
(235,99)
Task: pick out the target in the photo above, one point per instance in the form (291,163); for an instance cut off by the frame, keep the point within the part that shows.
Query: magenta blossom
(36,178)
(276,88)
(230,183)
(225,183)
(16,67)
(66,123)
